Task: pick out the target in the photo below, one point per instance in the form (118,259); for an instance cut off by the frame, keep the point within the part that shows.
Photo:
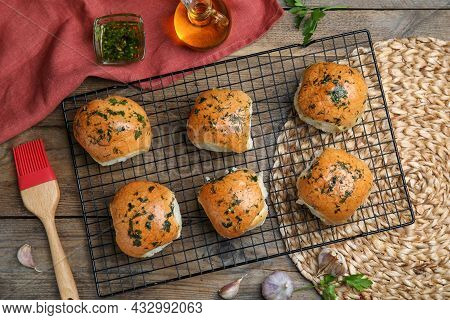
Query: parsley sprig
(329,283)
(307,18)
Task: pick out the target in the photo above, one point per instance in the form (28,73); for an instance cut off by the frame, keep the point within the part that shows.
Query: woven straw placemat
(411,262)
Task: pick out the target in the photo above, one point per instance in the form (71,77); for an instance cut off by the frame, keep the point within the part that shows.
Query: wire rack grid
(270,78)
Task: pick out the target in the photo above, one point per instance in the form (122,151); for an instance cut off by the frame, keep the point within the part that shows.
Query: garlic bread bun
(331,97)
(146,217)
(220,121)
(112,130)
(334,186)
(235,203)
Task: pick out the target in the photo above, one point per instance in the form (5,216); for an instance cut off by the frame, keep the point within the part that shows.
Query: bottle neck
(199,11)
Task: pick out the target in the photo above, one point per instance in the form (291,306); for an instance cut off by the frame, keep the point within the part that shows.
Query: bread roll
(112,130)
(220,121)
(146,217)
(235,203)
(331,97)
(334,186)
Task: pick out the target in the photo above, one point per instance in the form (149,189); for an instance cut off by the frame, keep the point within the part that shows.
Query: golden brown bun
(112,130)
(332,96)
(235,203)
(221,121)
(334,186)
(146,218)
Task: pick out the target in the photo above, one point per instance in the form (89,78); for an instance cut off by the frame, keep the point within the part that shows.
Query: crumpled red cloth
(46,49)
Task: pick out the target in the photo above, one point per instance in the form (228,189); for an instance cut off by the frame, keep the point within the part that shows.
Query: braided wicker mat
(411,262)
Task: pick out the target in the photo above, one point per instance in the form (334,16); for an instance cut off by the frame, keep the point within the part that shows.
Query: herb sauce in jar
(119,39)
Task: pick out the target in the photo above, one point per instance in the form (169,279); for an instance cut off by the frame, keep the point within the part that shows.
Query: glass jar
(119,38)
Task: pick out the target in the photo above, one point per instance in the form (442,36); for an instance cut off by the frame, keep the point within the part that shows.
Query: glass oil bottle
(202,24)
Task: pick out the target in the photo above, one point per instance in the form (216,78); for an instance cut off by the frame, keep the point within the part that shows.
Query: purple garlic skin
(230,290)
(277,286)
(331,262)
(26,258)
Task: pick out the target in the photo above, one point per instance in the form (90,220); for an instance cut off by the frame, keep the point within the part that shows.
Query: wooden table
(385,19)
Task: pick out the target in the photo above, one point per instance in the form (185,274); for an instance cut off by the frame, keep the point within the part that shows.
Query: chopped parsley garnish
(358,174)
(98,113)
(227,224)
(140,118)
(331,185)
(115,113)
(338,93)
(130,206)
(137,134)
(148,225)
(326,79)
(143,199)
(151,188)
(201,100)
(135,235)
(138,214)
(172,206)
(108,134)
(166,226)
(346,195)
(212,123)
(343,165)
(253,178)
(113,101)
(233,204)
(237,121)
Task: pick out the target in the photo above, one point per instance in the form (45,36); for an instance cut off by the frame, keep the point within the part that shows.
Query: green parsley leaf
(327,279)
(329,292)
(328,288)
(310,25)
(307,18)
(358,281)
(298,21)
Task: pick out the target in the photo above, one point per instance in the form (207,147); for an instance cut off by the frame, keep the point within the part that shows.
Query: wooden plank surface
(17,282)
(384,19)
(380,4)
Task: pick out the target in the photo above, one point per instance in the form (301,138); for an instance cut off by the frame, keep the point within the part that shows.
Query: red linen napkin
(46,49)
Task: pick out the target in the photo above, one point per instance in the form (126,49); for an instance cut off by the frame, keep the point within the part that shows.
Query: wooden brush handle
(64,277)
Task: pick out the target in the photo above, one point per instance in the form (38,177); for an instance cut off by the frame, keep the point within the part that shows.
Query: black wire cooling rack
(270,78)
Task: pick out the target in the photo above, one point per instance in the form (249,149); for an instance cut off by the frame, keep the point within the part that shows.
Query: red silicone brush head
(32,164)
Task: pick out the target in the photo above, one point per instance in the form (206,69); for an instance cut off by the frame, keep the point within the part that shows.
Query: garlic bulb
(331,262)
(25,257)
(277,286)
(229,291)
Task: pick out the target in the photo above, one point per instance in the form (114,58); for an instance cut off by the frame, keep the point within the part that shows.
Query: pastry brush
(40,194)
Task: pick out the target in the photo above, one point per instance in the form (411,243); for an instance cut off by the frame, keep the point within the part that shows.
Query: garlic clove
(230,290)
(26,258)
(277,286)
(331,262)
